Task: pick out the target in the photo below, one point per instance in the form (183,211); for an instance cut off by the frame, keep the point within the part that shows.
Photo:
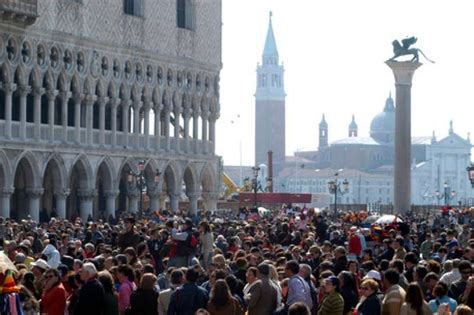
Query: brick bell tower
(270,105)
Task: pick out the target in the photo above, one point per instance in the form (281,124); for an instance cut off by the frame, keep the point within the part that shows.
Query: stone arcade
(88,89)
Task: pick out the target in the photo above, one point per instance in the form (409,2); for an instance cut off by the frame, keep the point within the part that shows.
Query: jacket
(370,305)
(233,308)
(262,298)
(393,300)
(164,301)
(53,301)
(144,302)
(407,310)
(91,299)
(187,300)
(333,304)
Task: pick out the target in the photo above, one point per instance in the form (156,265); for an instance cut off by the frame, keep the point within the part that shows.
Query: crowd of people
(294,261)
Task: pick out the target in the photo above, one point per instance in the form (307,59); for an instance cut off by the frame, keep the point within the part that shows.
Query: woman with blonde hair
(144,301)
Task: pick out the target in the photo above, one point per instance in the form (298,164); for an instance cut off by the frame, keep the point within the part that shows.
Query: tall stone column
(6,195)
(186,118)
(8,89)
(193,203)
(177,114)
(90,99)
(136,123)
(205,117)
(174,201)
(125,106)
(154,196)
(403,72)
(86,202)
(133,195)
(65,95)
(77,116)
(61,196)
(212,131)
(210,200)
(24,90)
(37,92)
(167,129)
(111,196)
(102,102)
(162,198)
(113,125)
(34,195)
(158,109)
(196,131)
(51,102)
(146,130)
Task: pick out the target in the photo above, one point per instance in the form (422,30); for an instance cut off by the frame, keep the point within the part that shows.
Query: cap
(373,274)
(334,280)
(40,263)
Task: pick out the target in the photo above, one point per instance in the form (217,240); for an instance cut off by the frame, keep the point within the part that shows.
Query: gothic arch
(171,177)
(60,172)
(85,171)
(62,84)
(48,81)
(136,95)
(53,182)
(146,93)
(208,178)
(34,78)
(191,178)
(156,97)
(110,173)
(75,85)
(104,183)
(5,171)
(88,86)
(165,99)
(112,90)
(25,181)
(100,89)
(124,93)
(20,77)
(5,73)
(32,165)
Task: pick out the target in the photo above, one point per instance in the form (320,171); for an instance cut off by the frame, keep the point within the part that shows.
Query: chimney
(270,172)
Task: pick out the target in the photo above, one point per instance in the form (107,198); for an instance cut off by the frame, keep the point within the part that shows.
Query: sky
(334,53)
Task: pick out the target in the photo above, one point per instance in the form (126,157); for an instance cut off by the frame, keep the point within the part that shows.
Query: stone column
(87,202)
(77,116)
(125,106)
(90,99)
(6,194)
(212,131)
(154,194)
(193,202)
(8,89)
(102,102)
(174,201)
(196,131)
(210,200)
(65,95)
(158,109)
(133,195)
(24,90)
(186,118)
(146,130)
(51,102)
(136,123)
(162,198)
(177,114)
(34,195)
(167,129)
(205,117)
(113,125)
(37,92)
(403,72)
(61,196)
(111,196)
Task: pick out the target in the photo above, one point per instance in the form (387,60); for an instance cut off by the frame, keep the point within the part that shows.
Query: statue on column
(404,49)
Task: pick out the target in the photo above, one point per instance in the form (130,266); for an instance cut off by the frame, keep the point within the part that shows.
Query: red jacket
(355,246)
(53,301)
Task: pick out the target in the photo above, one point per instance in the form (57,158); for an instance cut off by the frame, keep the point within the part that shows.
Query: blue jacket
(187,300)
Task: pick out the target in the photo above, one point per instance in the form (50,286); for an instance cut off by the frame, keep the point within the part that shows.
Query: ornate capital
(35,192)
(214,116)
(133,192)
(111,193)
(210,195)
(126,103)
(403,71)
(62,192)
(103,100)
(154,193)
(24,90)
(7,192)
(114,101)
(90,99)
(38,91)
(78,97)
(65,95)
(137,105)
(8,88)
(205,115)
(87,193)
(193,195)
(51,94)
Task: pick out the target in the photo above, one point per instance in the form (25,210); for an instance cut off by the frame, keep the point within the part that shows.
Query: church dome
(382,127)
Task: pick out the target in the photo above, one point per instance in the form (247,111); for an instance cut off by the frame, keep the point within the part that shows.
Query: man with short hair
(394,294)
(130,238)
(189,298)
(298,288)
(165,295)
(263,295)
(456,290)
(91,298)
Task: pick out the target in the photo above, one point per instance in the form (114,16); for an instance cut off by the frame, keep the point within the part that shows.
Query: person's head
(251,275)
(420,273)
(191,275)
(107,281)
(353,266)
(263,270)
(390,277)
(440,289)
(299,308)
(340,251)
(430,280)
(129,223)
(125,273)
(463,310)
(52,277)
(305,271)
(414,296)
(411,260)
(177,277)
(220,294)
(330,284)
(292,268)
(88,271)
(465,269)
(204,227)
(202,311)
(148,281)
(346,280)
(369,287)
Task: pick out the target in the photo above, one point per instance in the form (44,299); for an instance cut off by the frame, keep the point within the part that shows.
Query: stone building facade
(90,88)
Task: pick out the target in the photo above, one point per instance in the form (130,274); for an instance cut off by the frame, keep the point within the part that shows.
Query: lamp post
(140,182)
(255,170)
(447,195)
(335,189)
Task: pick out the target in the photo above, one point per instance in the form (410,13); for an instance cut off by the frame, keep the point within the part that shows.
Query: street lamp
(255,170)
(447,195)
(470,172)
(140,182)
(335,188)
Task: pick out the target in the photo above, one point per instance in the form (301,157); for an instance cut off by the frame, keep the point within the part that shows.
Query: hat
(373,274)
(40,263)
(334,280)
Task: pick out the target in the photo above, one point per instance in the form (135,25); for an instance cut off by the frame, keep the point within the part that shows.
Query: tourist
(189,298)
(414,302)
(165,295)
(440,293)
(333,302)
(91,297)
(126,277)
(144,300)
(394,294)
(222,302)
(369,303)
(53,300)
(262,296)
(110,296)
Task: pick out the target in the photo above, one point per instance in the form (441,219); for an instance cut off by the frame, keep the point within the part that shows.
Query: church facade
(99,97)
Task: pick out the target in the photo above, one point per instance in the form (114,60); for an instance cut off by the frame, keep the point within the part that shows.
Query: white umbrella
(263,211)
(388,219)
(372,218)
(6,263)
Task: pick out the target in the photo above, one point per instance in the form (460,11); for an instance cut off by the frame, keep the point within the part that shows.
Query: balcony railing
(25,11)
